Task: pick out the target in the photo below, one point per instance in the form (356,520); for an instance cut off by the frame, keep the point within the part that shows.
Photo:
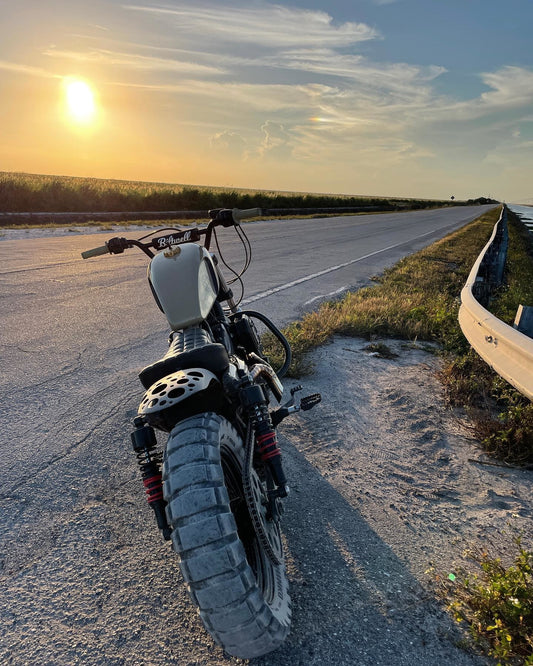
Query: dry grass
(30,192)
(418,299)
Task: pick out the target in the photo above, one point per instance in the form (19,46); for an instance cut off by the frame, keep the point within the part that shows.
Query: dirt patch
(385,440)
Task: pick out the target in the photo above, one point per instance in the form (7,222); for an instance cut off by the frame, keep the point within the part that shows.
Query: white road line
(306,278)
(333,293)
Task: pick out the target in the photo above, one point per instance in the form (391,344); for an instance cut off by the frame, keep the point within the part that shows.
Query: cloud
(135,61)
(276,142)
(399,77)
(244,97)
(229,142)
(381,115)
(27,69)
(261,24)
(511,89)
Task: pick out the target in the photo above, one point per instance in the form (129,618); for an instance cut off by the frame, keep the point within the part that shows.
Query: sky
(407,98)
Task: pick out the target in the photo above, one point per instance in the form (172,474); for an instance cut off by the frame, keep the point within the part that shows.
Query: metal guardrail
(508,351)
(123,216)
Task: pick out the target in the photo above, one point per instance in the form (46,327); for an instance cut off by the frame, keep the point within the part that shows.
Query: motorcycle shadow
(354,600)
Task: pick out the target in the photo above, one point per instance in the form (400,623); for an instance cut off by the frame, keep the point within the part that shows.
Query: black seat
(213,357)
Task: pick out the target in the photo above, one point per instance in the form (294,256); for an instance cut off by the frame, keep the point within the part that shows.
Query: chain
(268,534)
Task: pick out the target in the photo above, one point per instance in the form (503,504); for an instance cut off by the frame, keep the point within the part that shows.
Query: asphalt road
(86,576)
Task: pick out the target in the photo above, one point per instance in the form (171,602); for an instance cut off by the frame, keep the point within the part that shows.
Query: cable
(158,231)
(247,258)
(277,333)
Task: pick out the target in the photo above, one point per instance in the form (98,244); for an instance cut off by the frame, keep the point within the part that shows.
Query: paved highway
(70,327)
(78,548)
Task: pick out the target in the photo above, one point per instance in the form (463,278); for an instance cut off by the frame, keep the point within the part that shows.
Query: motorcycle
(217,489)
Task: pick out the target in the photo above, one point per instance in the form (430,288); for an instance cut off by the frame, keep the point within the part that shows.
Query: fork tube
(225,292)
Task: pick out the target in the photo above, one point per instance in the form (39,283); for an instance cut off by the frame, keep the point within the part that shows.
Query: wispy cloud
(346,89)
(229,142)
(27,69)
(511,88)
(244,96)
(394,76)
(134,61)
(261,24)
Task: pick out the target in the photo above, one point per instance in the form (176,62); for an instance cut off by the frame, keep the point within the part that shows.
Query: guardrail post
(502,250)
(524,320)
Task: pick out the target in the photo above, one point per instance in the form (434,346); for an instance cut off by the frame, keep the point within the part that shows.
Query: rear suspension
(144,443)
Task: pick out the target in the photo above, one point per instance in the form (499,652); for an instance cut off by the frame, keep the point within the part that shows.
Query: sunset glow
(370,98)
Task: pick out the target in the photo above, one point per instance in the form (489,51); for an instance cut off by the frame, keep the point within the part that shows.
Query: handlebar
(103,249)
(224,217)
(243,214)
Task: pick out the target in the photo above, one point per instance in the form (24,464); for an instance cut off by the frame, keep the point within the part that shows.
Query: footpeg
(289,407)
(310,401)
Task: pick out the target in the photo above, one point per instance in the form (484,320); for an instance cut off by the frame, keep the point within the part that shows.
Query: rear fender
(182,393)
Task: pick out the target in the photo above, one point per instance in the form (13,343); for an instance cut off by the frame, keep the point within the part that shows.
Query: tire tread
(204,534)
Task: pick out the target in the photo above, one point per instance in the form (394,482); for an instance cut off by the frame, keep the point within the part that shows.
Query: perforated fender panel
(175,388)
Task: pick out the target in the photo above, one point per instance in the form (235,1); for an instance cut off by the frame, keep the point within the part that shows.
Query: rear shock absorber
(254,402)
(144,443)
(267,445)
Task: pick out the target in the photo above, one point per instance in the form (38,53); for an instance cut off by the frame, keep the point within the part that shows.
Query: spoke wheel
(241,594)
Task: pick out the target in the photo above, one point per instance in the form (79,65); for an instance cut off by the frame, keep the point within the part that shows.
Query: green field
(20,192)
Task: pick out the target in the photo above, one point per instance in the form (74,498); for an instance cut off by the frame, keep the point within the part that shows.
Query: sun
(80,100)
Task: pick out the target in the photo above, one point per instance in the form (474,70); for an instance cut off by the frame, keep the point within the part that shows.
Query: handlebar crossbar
(222,217)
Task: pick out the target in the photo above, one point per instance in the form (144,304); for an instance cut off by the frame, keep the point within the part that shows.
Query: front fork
(255,405)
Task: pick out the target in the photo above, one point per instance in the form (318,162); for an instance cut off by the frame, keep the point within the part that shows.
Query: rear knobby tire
(241,595)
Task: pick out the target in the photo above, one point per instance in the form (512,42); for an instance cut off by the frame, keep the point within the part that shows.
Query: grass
(418,299)
(496,602)
(21,192)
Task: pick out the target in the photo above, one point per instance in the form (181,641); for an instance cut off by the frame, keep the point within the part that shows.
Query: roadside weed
(418,299)
(496,603)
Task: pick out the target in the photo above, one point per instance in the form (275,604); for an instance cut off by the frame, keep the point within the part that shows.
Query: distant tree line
(34,193)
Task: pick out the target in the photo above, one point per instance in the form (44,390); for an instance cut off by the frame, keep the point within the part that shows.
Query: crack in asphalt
(110,412)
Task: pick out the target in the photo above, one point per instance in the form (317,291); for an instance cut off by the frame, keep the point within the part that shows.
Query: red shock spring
(154,488)
(267,445)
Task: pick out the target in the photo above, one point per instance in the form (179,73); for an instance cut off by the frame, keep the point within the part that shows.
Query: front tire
(241,595)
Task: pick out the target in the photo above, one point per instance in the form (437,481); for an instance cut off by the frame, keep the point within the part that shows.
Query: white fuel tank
(185,283)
